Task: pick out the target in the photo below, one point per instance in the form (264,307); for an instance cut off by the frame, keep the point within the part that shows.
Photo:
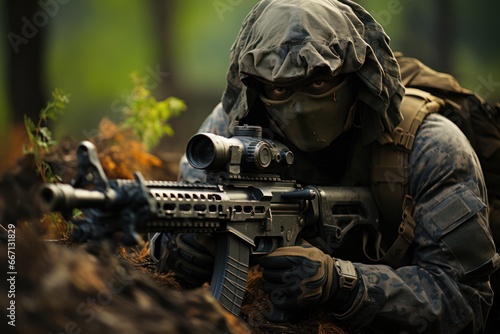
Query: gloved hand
(190,256)
(299,277)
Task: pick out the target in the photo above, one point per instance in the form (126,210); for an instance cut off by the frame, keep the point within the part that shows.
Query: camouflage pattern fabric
(444,286)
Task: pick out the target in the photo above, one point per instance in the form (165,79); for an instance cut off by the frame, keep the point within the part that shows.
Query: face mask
(313,121)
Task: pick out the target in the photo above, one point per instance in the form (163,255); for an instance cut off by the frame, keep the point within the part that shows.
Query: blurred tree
(25,45)
(162,13)
(201,34)
(92,46)
(445,29)
(458,37)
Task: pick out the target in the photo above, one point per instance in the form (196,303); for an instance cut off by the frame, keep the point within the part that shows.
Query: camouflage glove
(190,256)
(300,277)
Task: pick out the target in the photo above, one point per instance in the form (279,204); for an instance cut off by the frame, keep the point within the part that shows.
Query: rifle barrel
(63,197)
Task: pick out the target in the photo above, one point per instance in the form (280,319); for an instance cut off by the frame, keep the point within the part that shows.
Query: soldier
(321,77)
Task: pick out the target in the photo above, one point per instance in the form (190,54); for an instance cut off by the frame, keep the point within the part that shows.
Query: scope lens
(263,155)
(200,151)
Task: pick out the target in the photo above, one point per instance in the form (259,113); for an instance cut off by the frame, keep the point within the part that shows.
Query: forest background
(89,48)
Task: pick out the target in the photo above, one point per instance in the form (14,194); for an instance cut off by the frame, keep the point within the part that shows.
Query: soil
(104,287)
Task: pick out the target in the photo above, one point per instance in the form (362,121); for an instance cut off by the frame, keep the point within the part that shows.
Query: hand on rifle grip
(300,277)
(190,256)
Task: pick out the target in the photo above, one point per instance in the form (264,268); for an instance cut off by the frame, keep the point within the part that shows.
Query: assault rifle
(245,204)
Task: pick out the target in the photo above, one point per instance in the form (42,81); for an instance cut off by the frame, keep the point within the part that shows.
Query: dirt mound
(103,288)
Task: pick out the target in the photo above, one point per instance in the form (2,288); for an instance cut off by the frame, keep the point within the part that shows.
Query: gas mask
(311,113)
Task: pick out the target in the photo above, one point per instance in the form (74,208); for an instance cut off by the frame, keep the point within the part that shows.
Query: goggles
(317,88)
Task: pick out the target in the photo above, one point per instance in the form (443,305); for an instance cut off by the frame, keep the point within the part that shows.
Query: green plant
(146,116)
(39,143)
(39,135)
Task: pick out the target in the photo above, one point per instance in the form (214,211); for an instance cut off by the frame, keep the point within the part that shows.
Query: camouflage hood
(284,40)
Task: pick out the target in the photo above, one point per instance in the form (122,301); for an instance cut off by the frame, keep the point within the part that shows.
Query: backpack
(429,91)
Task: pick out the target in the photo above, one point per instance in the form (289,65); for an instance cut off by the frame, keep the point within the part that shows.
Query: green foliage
(148,117)
(39,135)
(85,55)
(205,28)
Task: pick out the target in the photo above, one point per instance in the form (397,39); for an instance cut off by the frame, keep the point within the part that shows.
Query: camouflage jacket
(444,284)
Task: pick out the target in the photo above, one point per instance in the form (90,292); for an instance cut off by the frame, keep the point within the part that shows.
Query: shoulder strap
(415,106)
(390,172)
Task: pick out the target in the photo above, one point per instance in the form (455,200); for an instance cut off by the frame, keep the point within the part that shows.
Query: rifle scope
(245,151)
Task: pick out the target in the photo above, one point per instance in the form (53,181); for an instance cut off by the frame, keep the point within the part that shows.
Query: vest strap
(390,171)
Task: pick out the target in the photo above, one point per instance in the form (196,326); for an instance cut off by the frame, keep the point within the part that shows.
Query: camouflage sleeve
(217,122)
(446,288)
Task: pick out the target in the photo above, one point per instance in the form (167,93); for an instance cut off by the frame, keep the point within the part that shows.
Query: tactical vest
(429,91)
(390,172)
